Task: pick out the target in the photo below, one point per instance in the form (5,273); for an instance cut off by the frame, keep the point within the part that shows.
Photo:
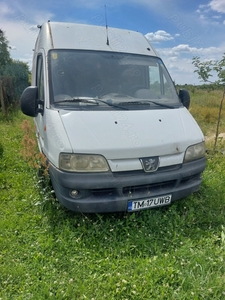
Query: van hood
(131,134)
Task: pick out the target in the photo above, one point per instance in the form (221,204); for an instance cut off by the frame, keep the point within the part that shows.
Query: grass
(205,108)
(48,252)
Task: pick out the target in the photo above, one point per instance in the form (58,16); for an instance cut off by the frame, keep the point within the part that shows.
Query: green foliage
(14,78)
(219,67)
(204,70)
(4,52)
(1,150)
(48,252)
(19,72)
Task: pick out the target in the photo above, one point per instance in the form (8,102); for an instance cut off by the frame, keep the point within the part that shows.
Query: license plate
(148,203)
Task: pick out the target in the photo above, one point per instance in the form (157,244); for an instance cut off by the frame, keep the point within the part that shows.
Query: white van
(115,133)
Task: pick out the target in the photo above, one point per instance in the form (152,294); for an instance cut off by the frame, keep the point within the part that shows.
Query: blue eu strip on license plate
(148,203)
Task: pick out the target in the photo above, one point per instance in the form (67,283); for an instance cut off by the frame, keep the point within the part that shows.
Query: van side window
(40,78)
(155,81)
(160,82)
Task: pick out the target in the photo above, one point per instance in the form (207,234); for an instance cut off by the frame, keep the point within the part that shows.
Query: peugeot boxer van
(116,134)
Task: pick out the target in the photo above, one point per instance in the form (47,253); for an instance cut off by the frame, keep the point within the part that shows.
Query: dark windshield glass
(105,75)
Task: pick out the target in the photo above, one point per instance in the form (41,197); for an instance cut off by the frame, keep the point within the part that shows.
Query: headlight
(82,163)
(195,152)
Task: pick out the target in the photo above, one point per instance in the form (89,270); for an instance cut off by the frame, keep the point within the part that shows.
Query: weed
(1,150)
(30,151)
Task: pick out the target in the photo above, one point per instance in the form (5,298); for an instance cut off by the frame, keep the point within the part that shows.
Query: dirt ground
(212,137)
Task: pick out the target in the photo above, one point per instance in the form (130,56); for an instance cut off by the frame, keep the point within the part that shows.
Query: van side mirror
(29,101)
(185,98)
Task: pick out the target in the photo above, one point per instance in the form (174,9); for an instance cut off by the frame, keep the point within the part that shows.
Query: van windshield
(98,79)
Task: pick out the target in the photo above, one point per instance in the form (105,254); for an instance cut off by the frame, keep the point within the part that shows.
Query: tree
(19,72)
(205,70)
(14,77)
(4,52)
(4,60)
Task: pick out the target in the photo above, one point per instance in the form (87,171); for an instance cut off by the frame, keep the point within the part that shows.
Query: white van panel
(131,134)
(120,165)
(82,36)
(55,139)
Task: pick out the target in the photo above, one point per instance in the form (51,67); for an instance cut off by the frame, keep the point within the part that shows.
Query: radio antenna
(106,26)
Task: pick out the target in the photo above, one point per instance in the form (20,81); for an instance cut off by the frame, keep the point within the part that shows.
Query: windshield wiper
(111,104)
(79,100)
(146,102)
(161,104)
(91,101)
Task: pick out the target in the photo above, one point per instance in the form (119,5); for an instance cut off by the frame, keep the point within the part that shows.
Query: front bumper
(110,192)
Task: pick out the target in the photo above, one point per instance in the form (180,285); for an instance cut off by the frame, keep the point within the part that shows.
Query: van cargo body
(115,133)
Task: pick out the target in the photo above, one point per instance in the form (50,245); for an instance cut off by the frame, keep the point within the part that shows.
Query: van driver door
(40,119)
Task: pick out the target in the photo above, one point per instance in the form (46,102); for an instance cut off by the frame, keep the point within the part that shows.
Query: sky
(177,29)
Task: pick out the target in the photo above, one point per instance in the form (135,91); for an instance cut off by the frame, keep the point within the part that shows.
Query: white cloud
(5,9)
(21,39)
(205,12)
(178,60)
(186,49)
(217,5)
(173,59)
(158,36)
(202,17)
(19,22)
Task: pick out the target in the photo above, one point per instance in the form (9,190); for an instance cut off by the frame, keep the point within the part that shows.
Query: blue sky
(178,29)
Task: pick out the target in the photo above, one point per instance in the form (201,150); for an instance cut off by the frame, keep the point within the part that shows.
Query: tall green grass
(48,252)
(205,109)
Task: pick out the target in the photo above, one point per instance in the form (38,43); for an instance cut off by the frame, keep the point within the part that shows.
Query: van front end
(126,191)
(116,133)
(140,159)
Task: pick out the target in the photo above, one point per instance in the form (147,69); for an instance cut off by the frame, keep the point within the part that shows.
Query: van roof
(58,35)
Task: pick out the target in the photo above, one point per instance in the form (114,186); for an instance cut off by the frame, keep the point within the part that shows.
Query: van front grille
(104,192)
(142,172)
(146,190)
